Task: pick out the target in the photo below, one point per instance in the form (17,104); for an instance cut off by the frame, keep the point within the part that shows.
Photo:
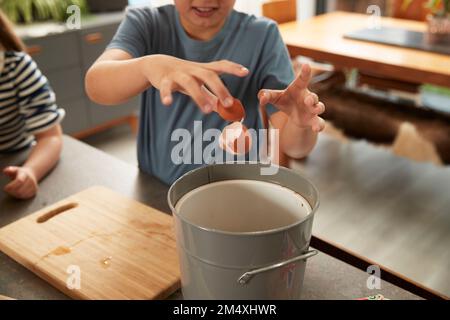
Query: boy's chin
(207,22)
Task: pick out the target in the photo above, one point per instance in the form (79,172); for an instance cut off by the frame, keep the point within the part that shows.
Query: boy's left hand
(24,183)
(301,105)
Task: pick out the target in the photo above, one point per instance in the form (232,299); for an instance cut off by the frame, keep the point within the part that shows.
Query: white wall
(306,9)
(249,6)
(155,3)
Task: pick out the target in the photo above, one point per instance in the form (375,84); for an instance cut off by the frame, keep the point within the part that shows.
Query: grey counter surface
(82,166)
(388,210)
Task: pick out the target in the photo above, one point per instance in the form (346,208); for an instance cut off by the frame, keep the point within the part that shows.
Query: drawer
(103,114)
(94,42)
(55,51)
(77,118)
(67,83)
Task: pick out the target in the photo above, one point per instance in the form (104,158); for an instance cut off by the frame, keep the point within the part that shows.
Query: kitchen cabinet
(77,118)
(66,83)
(93,43)
(64,56)
(55,52)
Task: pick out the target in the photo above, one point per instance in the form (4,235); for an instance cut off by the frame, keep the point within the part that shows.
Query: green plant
(28,11)
(437,7)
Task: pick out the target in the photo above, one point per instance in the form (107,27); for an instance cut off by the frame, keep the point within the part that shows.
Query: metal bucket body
(263,264)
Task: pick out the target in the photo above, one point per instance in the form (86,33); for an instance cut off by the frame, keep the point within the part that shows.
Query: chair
(281,11)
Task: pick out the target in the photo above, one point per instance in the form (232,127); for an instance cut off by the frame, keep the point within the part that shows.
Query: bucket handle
(246,277)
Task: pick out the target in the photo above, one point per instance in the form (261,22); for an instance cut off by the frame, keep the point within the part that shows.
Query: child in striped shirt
(29,117)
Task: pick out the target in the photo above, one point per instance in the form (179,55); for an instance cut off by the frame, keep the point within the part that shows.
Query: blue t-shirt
(252,42)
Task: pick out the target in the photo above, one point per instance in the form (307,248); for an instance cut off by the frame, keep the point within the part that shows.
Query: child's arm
(116,77)
(41,117)
(42,159)
(299,121)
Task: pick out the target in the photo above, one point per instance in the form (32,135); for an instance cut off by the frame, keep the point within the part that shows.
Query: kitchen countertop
(383,209)
(47,28)
(82,166)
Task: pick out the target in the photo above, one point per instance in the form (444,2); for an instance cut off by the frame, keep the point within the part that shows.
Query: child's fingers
(270,96)
(317,124)
(225,66)
(311,99)
(20,191)
(302,81)
(23,187)
(193,89)
(26,191)
(212,98)
(21,176)
(318,109)
(20,179)
(11,172)
(216,85)
(11,188)
(166,91)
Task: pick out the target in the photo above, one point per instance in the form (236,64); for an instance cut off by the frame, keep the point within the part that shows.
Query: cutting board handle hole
(52,213)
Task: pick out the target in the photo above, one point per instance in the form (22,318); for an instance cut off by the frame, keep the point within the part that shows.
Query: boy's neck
(201,33)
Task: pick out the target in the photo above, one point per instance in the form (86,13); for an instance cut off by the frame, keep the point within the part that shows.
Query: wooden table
(322,38)
(82,166)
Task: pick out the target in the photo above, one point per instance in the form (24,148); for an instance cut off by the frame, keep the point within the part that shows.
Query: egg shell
(236,139)
(234,113)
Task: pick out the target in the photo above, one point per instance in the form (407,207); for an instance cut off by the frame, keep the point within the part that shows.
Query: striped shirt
(27,103)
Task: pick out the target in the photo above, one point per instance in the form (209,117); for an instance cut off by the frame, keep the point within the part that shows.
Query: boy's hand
(169,74)
(301,105)
(24,183)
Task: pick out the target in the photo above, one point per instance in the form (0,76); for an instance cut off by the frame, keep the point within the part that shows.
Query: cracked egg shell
(234,113)
(235,139)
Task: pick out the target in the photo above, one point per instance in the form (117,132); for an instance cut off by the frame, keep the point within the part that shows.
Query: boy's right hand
(169,74)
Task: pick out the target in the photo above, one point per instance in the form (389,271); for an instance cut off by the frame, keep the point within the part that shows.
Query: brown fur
(379,121)
(411,144)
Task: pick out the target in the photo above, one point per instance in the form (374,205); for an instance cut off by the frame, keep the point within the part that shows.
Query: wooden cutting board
(98,244)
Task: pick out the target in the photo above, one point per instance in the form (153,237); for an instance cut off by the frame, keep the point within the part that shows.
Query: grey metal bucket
(243,235)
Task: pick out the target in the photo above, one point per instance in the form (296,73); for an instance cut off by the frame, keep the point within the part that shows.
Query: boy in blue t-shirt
(169,53)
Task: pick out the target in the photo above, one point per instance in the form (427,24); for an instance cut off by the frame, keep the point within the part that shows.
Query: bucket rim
(251,233)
